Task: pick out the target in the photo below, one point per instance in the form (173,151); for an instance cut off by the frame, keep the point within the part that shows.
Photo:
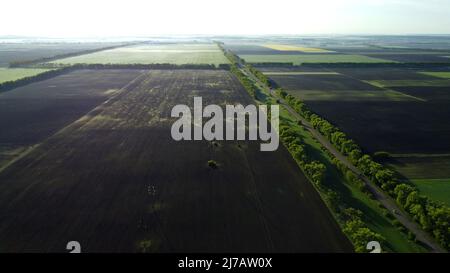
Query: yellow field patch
(282,47)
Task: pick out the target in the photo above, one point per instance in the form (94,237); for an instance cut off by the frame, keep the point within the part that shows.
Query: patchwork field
(324,82)
(411,58)
(114,180)
(154,53)
(11,74)
(311,58)
(30,114)
(14,52)
(282,47)
(385,73)
(401,111)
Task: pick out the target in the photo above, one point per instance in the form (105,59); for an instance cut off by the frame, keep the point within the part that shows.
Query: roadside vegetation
(322,170)
(433,217)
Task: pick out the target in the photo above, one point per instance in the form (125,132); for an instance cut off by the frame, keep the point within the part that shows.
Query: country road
(378,194)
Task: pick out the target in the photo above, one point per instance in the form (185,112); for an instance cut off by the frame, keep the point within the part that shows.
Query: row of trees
(355,65)
(25,63)
(258,74)
(432,216)
(377,65)
(350,219)
(245,81)
(135,66)
(5,86)
(61,69)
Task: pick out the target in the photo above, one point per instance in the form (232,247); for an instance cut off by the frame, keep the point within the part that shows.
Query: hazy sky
(86,18)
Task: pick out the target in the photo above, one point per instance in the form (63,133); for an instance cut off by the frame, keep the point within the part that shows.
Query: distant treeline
(136,66)
(58,70)
(6,86)
(25,63)
(281,64)
(355,65)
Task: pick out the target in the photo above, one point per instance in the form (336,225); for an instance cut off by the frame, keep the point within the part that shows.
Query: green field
(443,75)
(12,74)
(417,166)
(417,83)
(319,58)
(150,54)
(436,189)
(350,95)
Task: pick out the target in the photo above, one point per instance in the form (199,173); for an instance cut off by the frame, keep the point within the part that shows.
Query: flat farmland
(319,81)
(429,93)
(30,114)
(393,126)
(406,114)
(153,53)
(389,114)
(114,180)
(297,48)
(249,49)
(14,52)
(442,74)
(373,74)
(418,166)
(311,58)
(411,58)
(12,74)
(332,86)
(437,189)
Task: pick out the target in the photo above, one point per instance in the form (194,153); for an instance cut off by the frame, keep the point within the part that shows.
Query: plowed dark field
(115,180)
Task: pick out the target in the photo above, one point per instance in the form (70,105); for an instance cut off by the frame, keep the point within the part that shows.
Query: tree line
(433,217)
(349,218)
(25,63)
(423,65)
(58,70)
(245,81)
